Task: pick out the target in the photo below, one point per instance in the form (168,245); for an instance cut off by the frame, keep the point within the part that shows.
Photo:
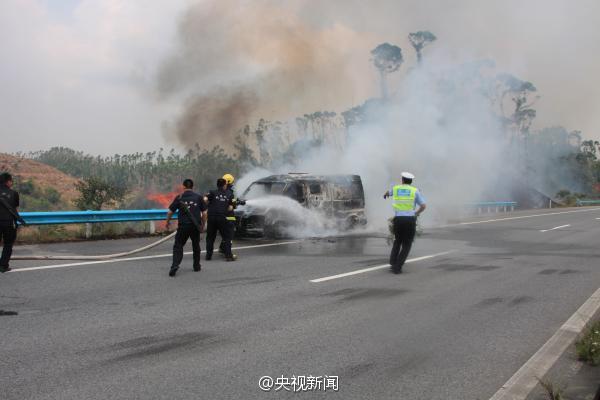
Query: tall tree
(94,193)
(419,40)
(387,58)
(519,92)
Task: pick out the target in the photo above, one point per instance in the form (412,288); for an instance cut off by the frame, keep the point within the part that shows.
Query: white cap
(408,175)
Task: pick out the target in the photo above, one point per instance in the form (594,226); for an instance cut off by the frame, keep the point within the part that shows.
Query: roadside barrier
(92,217)
(493,206)
(581,203)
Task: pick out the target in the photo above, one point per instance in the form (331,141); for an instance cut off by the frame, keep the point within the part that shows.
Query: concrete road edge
(525,379)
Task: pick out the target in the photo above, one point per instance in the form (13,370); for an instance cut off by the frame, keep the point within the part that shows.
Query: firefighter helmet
(229,179)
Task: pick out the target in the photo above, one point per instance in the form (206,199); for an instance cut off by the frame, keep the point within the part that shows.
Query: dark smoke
(210,119)
(241,61)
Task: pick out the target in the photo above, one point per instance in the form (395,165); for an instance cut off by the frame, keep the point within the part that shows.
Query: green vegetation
(157,170)
(552,391)
(387,58)
(588,346)
(61,233)
(95,193)
(34,198)
(419,40)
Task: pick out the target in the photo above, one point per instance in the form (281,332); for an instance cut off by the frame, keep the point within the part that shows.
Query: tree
(387,58)
(419,40)
(519,90)
(94,193)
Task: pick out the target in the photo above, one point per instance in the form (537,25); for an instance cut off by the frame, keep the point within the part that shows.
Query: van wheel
(276,230)
(351,223)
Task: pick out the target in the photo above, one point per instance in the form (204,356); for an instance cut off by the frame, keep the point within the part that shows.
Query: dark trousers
(8,235)
(185,232)
(404,234)
(231,227)
(218,223)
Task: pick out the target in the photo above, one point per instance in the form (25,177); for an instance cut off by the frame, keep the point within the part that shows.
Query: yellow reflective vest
(404,197)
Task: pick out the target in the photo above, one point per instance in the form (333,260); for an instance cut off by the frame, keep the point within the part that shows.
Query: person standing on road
(230,216)
(191,222)
(9,204)
(220,203)
(406,197)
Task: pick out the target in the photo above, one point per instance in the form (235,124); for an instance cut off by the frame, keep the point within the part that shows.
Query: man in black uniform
(9,203)
(220,202)
(191,221)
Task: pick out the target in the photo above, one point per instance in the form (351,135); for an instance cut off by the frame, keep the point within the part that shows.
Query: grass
(67,233)
(588,345)
(553,392)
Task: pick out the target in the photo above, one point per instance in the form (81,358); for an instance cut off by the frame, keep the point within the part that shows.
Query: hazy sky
(83,73)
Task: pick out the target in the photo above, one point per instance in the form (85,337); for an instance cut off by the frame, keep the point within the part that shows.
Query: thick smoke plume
(453,125)
(240,61)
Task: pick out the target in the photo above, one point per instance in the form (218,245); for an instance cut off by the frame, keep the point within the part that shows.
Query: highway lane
(453,326)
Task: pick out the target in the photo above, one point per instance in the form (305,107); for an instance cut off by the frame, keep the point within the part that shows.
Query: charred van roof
(307,177)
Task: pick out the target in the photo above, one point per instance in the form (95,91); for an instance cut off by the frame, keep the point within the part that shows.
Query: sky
(87,74)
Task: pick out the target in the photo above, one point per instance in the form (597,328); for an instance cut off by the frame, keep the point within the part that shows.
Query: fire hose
(100,257)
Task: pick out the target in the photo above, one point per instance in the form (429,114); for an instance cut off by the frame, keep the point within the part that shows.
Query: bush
(35,198)
(588,346)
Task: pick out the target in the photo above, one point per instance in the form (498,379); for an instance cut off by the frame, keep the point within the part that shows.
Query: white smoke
(440,127)
(296,220)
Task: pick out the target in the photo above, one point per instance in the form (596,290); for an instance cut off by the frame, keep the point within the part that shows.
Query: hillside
(42,176)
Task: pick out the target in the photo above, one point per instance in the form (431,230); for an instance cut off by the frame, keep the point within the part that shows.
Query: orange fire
(163,199)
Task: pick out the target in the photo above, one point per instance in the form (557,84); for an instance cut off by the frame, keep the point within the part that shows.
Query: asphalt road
(453,326)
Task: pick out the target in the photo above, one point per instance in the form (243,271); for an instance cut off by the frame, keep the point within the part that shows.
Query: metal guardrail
(493,205)
(587,202)
(91,217)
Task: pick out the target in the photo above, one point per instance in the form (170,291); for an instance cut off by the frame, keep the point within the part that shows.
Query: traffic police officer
(405,197)
(230,216)
(220,203)
(191,221)
(9,203)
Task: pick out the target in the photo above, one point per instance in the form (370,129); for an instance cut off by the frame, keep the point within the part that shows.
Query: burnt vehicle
(283,205)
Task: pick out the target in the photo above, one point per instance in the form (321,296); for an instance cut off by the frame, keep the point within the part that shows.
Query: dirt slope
(41,174)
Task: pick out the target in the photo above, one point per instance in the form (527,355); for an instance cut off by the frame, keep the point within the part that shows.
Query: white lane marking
(526,216)
(362,271)
(526,378)
(139,258)
(555,228)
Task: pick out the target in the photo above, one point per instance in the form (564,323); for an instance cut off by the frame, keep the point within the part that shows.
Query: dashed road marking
(555,228)
(362,271)
(528,216)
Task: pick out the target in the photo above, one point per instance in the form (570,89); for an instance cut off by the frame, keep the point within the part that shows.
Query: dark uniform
(230,216)
(186,228)
(8,226)
(219,202)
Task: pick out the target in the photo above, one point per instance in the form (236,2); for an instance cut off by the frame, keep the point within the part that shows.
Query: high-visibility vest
(404,197)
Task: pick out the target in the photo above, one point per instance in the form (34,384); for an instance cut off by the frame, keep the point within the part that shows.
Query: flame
(163,199)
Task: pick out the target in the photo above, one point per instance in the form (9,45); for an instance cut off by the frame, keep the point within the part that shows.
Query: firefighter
(406,197)
(191,222)
(220,204)
(229,179)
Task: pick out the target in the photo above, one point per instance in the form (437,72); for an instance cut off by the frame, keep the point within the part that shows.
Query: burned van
(283,205)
